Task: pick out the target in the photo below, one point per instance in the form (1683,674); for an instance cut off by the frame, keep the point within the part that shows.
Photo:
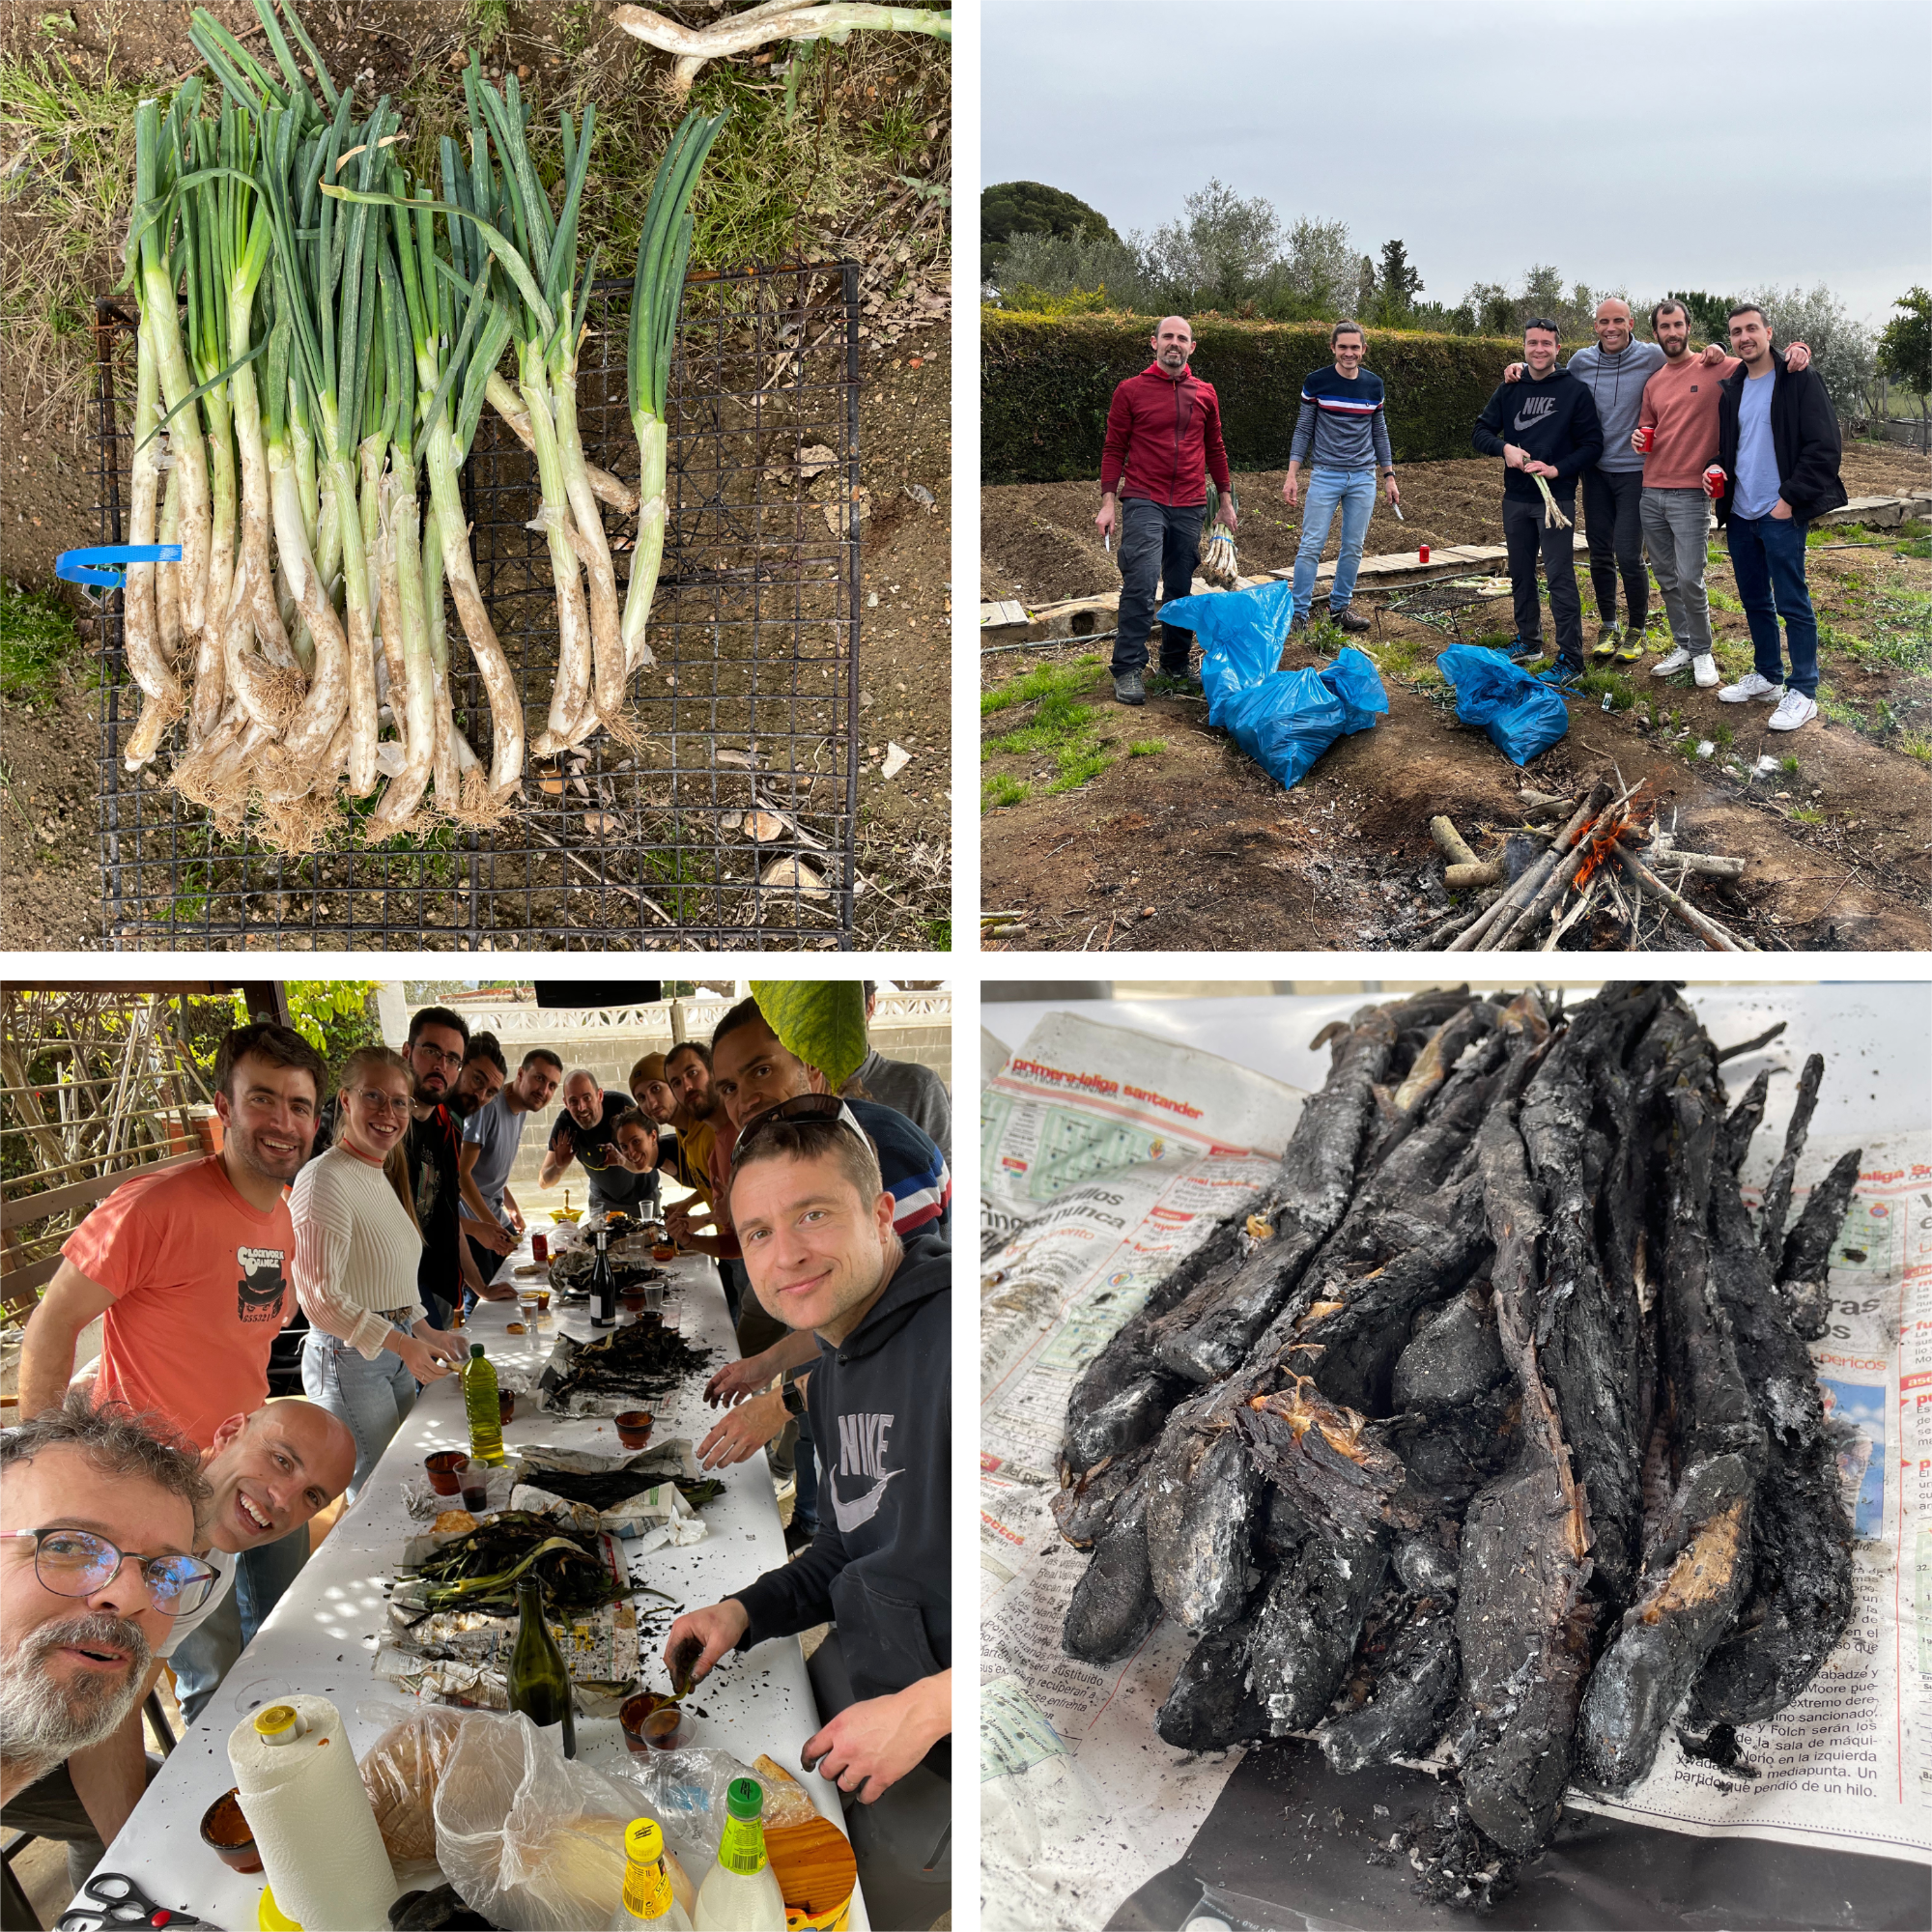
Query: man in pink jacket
(1163,441)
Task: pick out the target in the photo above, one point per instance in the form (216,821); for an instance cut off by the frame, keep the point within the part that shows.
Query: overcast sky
(1654,144)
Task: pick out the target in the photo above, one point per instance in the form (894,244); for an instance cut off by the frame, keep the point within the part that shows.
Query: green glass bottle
(484,1407)
(539,1684)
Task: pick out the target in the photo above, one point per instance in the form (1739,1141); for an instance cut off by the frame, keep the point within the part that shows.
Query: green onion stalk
(656,293)
(157,159)
(149,663)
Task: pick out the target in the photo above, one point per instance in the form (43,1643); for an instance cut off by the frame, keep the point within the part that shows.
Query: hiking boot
(1520,652)
(1631,647)
(1752,685)
(1346,619)
(1564,671)
(1608,640)
(1679,660)
(1705,670)
(1128,688)
(1793,710)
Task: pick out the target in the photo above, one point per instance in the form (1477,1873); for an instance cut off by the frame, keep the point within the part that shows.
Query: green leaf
(822,1021)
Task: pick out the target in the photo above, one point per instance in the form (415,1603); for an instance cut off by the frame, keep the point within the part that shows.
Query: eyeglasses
(436,1053)
(384,1104)
(802,1110)
(76,1563)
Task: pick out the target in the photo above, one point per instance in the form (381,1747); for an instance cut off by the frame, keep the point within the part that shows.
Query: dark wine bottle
(539,1684)
(604,1283)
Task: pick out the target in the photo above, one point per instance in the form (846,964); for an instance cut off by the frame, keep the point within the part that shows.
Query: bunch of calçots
(319,338)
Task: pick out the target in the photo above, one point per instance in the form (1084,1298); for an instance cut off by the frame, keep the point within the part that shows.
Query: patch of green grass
(998,789)
(1788,766)
(37,634)
(1723,737)
(1722,601)
(1833,712)
(488,20)
(1403,657)
(1042,681)
(1622,692)
(1076,764)
(896,136)
(1805,815)
(939,931)
(1147,748)
(1916,745)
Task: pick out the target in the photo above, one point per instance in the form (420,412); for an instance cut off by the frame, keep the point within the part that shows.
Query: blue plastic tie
(86,566)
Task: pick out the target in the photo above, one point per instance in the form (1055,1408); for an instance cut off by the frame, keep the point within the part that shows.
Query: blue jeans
(1768,559)
(1354,490)
(372,1397)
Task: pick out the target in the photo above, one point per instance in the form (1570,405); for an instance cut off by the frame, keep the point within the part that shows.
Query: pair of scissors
(113,1899)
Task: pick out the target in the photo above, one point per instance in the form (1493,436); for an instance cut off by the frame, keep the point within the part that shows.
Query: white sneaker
(1751,685)
(1705,670)
(1795,709)
(1678,660)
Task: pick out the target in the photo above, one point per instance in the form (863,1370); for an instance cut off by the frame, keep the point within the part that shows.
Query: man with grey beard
(98,1529)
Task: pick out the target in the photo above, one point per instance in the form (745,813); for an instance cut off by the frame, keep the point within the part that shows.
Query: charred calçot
(1381,1442)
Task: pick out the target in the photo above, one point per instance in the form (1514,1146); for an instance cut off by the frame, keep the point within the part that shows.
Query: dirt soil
(1197,847)
(51,882)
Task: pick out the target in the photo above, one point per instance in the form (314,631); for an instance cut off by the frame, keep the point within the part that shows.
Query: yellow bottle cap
(643,1840)
(271,1916)
(279,1723)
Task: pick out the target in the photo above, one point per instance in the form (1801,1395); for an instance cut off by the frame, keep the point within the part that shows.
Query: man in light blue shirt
(491,1138)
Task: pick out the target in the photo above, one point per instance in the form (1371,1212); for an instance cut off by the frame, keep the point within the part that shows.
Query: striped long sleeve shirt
(1343,422)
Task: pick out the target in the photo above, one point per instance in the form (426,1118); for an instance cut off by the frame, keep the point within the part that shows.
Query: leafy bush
(1045,384)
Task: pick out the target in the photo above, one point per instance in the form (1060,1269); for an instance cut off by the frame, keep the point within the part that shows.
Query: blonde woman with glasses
(358,1247)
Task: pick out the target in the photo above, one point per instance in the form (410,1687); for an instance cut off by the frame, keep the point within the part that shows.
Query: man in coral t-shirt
(189,1270)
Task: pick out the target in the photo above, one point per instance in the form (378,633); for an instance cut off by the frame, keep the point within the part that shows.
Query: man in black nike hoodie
(815,1223)
(1545,425)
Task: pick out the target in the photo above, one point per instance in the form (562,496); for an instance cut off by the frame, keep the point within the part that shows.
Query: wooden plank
(21,1282)
(1001,614)
(126,989)
(24,1209)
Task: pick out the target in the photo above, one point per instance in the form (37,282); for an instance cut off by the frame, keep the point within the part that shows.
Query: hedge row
(1045,384)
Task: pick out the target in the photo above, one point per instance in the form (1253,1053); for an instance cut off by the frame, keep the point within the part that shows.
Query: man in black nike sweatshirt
(1547,426)
(815,1223)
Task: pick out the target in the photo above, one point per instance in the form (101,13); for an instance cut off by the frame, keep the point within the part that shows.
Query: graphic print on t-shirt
(862,1452)
(258,1295)
(1533,409)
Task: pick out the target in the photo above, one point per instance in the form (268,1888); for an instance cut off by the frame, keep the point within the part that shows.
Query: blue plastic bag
(1283,719)
(1522,717)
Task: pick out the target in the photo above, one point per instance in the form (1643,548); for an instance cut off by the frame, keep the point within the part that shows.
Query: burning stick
(1707,930)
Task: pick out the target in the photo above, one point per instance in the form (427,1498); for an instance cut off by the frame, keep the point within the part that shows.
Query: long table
(322,1637)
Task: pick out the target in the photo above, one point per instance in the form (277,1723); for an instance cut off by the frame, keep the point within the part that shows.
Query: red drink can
(539,1248)
(1643,441)
(1423,554)
(1714,481)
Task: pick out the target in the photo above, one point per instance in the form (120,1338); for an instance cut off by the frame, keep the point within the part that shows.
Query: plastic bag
(686,1790)
(1522,717)
(1283,719)
(531,1838)
(402,1770)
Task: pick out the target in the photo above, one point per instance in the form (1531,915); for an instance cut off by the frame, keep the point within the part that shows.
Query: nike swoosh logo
(863,1509)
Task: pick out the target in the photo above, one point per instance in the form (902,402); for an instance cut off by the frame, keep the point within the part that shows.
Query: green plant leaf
(823,1021)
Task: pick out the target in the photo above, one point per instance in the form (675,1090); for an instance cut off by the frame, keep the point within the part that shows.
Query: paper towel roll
(321,1849)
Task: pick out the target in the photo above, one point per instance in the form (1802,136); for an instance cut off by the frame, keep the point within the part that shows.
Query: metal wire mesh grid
(726,817)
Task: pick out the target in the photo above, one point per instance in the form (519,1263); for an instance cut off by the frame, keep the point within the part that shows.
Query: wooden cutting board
(816,1870)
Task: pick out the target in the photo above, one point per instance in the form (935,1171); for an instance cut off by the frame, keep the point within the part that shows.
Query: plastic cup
(475,1484)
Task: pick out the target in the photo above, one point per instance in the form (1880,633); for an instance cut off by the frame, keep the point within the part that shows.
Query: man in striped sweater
(1342,423)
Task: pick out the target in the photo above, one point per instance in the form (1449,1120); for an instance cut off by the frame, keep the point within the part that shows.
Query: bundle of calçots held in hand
(343,329)
(1493,1424)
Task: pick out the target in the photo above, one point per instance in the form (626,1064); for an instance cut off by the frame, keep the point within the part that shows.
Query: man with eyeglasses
(817,1221)
(439,1055)
(266,1475)
(99,1522)
(752,1072)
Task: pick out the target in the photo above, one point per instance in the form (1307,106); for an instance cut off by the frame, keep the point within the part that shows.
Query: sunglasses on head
(803,1110)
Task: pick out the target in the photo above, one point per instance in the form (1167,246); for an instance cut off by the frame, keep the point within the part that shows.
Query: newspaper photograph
(1097,1181)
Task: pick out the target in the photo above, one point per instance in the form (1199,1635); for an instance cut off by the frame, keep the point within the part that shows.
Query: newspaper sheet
(1081,1803)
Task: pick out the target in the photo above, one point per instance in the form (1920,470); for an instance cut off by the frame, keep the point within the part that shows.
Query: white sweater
(357,1250)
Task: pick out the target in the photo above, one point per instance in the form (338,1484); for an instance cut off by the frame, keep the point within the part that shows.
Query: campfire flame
(1600,842)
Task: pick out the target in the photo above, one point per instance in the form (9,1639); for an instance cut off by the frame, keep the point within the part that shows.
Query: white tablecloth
(323,1634)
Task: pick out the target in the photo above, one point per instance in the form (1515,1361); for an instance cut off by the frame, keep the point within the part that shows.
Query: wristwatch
(792,1395)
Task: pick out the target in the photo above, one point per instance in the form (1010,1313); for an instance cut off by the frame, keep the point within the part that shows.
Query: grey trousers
(1159,547)
(902,1841)
(50,1807)
(1676,530)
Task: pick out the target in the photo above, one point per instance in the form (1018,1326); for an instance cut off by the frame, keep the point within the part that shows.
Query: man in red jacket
(1163,438)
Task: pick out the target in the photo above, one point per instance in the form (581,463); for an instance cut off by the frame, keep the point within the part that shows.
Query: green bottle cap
(476,1351)
(744,1799)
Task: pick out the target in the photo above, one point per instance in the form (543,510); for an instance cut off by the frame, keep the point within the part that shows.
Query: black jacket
(1804,434)
(1555,419)
(881,1565)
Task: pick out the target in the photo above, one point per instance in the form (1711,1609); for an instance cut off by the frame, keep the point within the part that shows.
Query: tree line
(1044,250)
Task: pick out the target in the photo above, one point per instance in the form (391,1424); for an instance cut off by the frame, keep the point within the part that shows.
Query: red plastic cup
(1423,554)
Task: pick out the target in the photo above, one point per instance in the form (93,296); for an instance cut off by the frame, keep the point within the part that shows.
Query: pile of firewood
(1605,856)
